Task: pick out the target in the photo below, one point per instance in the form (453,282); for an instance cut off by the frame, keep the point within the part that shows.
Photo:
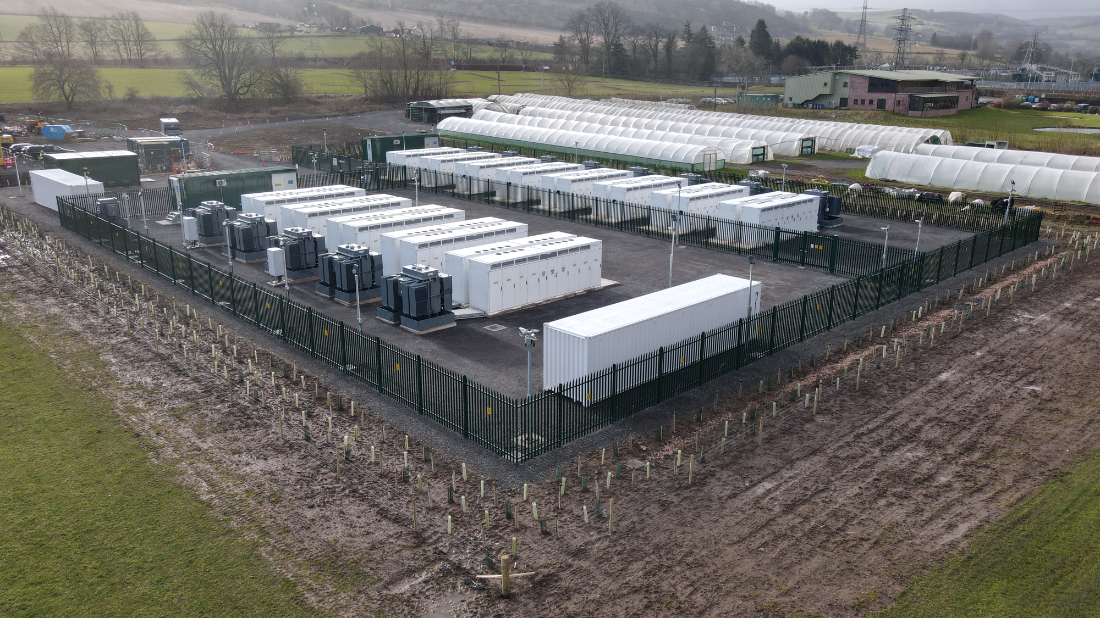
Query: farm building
(915,93)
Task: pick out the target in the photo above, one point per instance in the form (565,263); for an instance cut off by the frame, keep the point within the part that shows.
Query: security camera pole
(87,191)
(529,343)
(784,176)
(920,224)
(884,243)
(748,314)
(1011,196)
(144,219)
(358,311)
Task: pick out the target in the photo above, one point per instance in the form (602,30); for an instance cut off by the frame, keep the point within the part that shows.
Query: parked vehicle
(20,147)
(36,150)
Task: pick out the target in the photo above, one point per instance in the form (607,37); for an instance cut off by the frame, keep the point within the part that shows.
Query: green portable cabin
(114,168)
(376,147)
(227,186)
(159,154)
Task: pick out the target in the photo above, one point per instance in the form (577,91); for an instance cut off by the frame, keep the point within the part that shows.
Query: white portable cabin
(50,184)
(479,176)
(582,344)
(790,211)
(625,198)
(430,248)
(410,157)
(512,181)
(315,216)
(456,263)
(268,203)
(390,257)
(701,199)
(368,231)
(522,276)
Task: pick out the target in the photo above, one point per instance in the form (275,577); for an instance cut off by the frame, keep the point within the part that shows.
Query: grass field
(1038,561)
(166,82)
(90,527)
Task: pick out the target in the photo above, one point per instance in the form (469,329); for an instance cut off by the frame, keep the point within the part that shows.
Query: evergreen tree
(760,41)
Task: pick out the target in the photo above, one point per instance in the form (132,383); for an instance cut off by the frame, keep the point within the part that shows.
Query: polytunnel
(963,175)
(834,136)
(1013,157)
(733,150)
(648,153)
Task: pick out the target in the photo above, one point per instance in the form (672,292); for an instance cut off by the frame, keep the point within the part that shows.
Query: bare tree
(611,23)
(120,35)
(395,72)
(278,78)
(652,35)
(525,47)
(570,82)
(93,33)
(669,45)
(223,58)
(145,46)
(583,29)
(503,50)
(52,35)
(65,79)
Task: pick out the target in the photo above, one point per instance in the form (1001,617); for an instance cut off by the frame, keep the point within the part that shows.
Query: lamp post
(920,224)
(884,243)
(784,176)
(324,133)
(87,191)
(1011,198)
(576,152)
(144,219)
(529,343)
(358,311)
(416,186)
(672,251)
(748,314)
(18,180)
(228,248)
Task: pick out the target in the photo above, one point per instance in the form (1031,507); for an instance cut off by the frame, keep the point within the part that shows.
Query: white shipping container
(521,276)
(367,229)
(48,185)
(699,199)
(291,215)
(268,203)
(511,181)
(582,344)
(456,263)
(389,243)
(622,197)
(410,157)
(430,249)
(790,211)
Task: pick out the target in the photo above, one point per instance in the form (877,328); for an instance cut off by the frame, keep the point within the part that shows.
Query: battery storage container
(528,275)
(430,248)
(456,263)
(367,229)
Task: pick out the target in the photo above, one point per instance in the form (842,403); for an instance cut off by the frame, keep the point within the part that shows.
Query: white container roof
(1012,157)
(964,175)
(659,152)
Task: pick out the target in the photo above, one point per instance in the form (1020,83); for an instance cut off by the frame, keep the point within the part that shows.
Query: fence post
(958,250)
(465,409)
(855,299)
(312,340)
(802,322)
(561,414)
(939,265)
(232,295)
(660,372)
(343,348)
(829,316)
(419,386)
(775,246)
(771,337)
(210,281)
(737,354)
(615,391)
(802,257)
(190,271)
(702,355)
(878,293)
(282,319)
(256,305)
(378,363)
(832,253)
(172,260)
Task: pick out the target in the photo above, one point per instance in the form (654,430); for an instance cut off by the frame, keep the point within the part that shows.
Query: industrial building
(921,94)
(113,168)
(432,112)
(160,154)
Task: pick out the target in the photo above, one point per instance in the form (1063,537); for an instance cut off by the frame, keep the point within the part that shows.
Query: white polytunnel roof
(964,175)
(784,143)
(733,150)
(835,136)
(1013,157)
(680,156)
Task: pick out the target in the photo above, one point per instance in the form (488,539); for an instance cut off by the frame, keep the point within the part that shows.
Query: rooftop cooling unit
(250,237)
(475,149)
(210,217)
(109,209)
(755,188)
(418,299)
(828,210)
(548,159)
(693,179)
(302,249)
(509,153)
(591,165)
(638,171)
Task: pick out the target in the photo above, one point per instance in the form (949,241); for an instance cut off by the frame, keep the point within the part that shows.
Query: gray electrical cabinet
(302,250)
(418,299)
(250,237)
(209,219)
(109,209)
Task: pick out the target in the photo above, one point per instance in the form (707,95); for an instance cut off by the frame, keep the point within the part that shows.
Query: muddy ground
(280,138)
(831,514)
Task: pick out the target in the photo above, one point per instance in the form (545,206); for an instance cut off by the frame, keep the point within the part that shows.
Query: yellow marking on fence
(489,411)
(326,332)
(397,366)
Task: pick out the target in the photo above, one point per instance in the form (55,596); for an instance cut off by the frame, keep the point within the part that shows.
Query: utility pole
(861,38)
(903,41)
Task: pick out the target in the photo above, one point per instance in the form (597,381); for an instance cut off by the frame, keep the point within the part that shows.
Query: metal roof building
(913,93)
(435,110)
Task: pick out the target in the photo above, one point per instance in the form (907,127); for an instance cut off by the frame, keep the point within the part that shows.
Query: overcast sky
(1020,9)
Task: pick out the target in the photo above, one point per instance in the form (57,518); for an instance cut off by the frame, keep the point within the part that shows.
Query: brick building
(914,93)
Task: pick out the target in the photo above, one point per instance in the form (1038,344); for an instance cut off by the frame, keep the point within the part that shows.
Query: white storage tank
(582,344)
(367,230)
(389,243)
(512,181)
(521,276)
(790,211)
(410,157)
(701,199)
(430,249)
(569,190)
(290,215)
(456,263)
(268,203)
(48,185)
(620,199)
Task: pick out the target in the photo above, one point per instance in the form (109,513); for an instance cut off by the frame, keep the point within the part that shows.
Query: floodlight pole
(18,180)
(576,152)
(885,243)
(87,191)
(1011,196)
(358,310)
(144,219)
(416,186)
(324,133)
(784,176)
(228,248)
(748,314)
(529,343)
(675,229)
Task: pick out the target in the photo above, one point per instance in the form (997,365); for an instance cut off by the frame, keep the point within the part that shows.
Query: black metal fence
(518,429)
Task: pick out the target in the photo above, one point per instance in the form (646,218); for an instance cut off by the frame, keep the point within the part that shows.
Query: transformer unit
(694,179)
(249,237)
(268,203)
(591,165)
(300,250)
(790,211)
(418,299)
(638,171)
(109,209)
(209,217)
(523,276)
(548,159)
(338,273)
(828,213)
(755,188)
